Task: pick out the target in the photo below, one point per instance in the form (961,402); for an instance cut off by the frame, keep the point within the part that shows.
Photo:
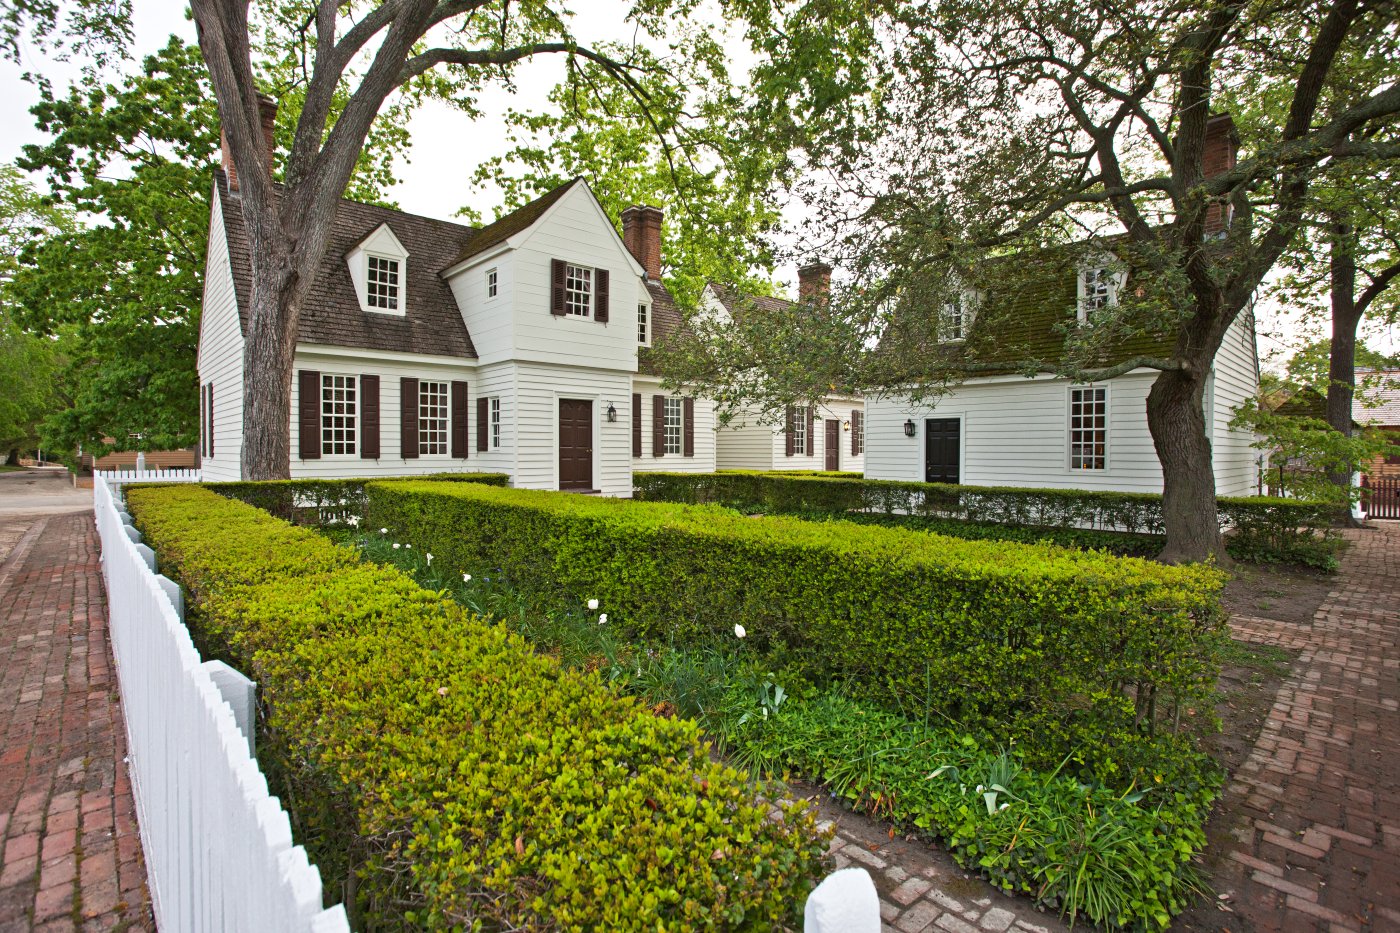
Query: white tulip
(740,631)
(396,545)
(466,578)
(602,619)
(592,604)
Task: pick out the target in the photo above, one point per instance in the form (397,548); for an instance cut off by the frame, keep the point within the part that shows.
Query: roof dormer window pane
(1096,290)
(578,290)
(383,282)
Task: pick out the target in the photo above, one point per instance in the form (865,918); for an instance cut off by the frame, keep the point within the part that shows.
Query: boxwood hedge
(1260,528)
(1064,652)
(325,501)
(454,778)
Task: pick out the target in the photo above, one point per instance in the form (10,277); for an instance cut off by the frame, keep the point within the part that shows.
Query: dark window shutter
(636,424)
(811,450)
(309,414)
(688,430)
(204,420)
(483,426)
(211,419)
(408,418)
(790,428)
(658,425)
(461,439)
(369,417)
(855,432)
(556,292)
(600,295)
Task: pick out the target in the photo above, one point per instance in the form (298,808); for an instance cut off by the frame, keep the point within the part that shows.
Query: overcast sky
(447,146)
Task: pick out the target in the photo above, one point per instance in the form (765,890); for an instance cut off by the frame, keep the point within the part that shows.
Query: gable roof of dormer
(332,316)
(374,240)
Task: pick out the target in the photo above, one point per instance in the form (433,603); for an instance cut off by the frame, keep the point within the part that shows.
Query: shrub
(1259,528)
(326,501)
(1066,652)
(452,776)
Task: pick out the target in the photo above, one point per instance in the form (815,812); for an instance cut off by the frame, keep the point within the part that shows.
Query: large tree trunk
(1346,316)
(1176,418)
(268,354)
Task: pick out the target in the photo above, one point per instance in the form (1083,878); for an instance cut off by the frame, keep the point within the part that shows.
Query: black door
(941,450)
(575,444)
(833,444)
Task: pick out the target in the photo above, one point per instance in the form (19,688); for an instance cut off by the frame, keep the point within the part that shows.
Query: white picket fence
(116,479)
(218,846)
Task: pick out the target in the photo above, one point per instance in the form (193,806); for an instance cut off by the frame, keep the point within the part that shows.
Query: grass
(1265,661)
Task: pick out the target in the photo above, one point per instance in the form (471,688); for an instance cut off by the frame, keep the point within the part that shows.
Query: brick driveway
(70,855)
(1316,807)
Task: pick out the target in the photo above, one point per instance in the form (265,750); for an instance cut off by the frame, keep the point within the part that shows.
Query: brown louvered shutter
(408,418)
(688,429)
(636,424)
(483,416)
(811,450)
(209,419)
(600,295)
(369,417)
(855,432)
(309,414)
(556,291)
(461,439)
(791,427)
(658,425)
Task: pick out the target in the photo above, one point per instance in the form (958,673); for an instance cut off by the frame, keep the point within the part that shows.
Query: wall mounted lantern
(909,428)
(612,413)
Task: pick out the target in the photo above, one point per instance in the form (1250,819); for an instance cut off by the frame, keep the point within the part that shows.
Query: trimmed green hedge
(451,776)
(1065,652)
(1261,528)
(326,501)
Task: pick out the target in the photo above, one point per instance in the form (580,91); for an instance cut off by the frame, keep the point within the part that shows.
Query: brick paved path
(1316,807)
(70,855)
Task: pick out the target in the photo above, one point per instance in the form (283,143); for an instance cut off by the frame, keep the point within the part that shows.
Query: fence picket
(219,849)
(1380,496)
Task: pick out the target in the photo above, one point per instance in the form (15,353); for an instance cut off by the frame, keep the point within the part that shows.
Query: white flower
(466,578)
(740,631)
(603,618)
(396,545)
(408,545)
(979,788)
(592,604)
(1003,807)
(430,558)
(354,521)
(384,531)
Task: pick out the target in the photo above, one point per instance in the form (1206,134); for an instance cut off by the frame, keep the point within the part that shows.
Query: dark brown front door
(941,450)
(833,444)
(575,444)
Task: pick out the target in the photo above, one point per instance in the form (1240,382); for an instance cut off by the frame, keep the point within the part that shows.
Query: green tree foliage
(1305,452)
(99,30)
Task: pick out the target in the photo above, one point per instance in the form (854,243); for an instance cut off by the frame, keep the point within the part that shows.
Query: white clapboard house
(828,435)
(427,346)
(1010,430)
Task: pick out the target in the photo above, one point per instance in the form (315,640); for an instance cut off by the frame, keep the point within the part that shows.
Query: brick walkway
(1316,807)
(70,855)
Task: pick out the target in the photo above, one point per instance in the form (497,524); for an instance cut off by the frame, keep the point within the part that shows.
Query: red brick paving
(70,853)
(1317,836)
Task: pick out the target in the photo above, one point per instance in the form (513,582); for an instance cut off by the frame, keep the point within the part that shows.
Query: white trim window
(578,290)
(1099,285)
(799,433)
(492,283)
(382,282)
(955,322)
(644,325)
(1088,428)
(494,421)
(432,418)
(674,415)
(339,415)
(858,428)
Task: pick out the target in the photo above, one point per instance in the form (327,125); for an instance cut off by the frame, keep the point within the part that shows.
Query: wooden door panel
(575,444)
(833,444)
(941,450)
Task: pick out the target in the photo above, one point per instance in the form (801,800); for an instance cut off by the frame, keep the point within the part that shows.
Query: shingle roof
(666,321)
(511,224)
(1385,409)
(431,324)
(736,303)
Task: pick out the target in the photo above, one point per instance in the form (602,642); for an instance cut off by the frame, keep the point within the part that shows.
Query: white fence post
(218,846)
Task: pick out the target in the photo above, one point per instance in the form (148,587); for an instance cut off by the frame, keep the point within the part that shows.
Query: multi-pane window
(799,432)
(674,414)
(495,420)
(578,290)
(432,417)
(1088,428)
(1095,290)
(955,319)
(643,319)
(491,283)
(858,429)
(338,415)
(383,283)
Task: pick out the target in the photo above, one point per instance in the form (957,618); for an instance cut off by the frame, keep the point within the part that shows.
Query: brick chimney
(267,110)
(814,282)
(1221,148)
(641,234)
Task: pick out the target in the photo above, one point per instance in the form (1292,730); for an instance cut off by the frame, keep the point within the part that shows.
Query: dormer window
(383,290)
(1099,285)
(379,269)
(644,325)
(955,320)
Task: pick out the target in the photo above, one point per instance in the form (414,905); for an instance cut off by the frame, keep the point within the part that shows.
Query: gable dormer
(1102,278)
(379,268)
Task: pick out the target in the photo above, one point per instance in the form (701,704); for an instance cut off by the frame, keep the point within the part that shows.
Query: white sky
(447,145)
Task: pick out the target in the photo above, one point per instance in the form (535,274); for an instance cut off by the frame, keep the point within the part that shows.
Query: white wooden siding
(220,356)
(489,319)
(745,444)
(704,432)
(749,444)
(1236,379)
(538,391)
